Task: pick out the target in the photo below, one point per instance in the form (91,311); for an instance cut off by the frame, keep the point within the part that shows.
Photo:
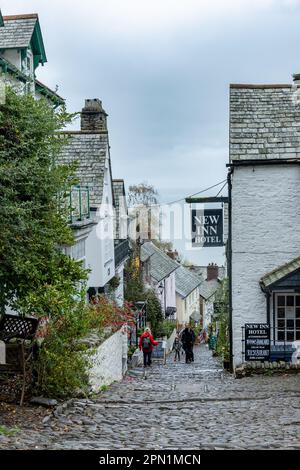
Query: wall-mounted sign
(257,342)
(207,227)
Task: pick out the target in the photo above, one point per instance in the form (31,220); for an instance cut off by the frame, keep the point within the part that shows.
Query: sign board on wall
(207,228)
(257,342)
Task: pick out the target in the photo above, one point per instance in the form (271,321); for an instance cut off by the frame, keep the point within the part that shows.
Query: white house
(120,236)
(265,211)
(187,296)
(211,277)
(159,273)
(89,148)
(21,52)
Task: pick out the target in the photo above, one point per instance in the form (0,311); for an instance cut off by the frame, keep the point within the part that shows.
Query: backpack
(146,343)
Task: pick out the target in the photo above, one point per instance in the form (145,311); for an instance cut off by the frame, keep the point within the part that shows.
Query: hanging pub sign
(207,227)
(257,342)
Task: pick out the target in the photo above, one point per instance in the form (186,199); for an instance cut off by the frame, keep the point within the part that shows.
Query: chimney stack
(212,272)
(93,116)
(296,78)
(173,254)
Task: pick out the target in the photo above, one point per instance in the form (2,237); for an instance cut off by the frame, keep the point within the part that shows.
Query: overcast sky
(162,69)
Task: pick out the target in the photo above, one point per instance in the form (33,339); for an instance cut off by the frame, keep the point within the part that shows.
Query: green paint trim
(37,45)
(9,68)
(57,100)
(1,20)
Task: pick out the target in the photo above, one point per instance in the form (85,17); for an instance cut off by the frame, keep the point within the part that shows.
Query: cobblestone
(177,406)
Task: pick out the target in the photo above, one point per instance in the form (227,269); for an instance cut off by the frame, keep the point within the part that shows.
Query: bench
(282,352)
(18,334)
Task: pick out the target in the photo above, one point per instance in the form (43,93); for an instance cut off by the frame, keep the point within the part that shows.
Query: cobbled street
(177,406)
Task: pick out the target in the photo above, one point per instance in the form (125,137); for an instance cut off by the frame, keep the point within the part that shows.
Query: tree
(142,194)
(35,276)
(144,211)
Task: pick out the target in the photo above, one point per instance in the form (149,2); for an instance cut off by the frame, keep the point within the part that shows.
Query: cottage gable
(22,32)
(186,282)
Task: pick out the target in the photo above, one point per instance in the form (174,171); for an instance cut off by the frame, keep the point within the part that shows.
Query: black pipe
(229,263)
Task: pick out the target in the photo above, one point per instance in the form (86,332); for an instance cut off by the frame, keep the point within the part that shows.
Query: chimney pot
(212,271)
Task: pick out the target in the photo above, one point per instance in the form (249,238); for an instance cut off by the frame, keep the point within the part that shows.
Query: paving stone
(188,406)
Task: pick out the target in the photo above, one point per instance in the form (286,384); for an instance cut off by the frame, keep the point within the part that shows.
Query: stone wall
(267,368)
(109,361)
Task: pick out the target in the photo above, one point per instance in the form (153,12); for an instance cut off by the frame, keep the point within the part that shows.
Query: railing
(79,203)
(121,251)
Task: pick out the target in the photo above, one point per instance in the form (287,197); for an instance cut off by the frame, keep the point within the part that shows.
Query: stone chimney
(212,272)
(173,254)
(296,78)
(93,116)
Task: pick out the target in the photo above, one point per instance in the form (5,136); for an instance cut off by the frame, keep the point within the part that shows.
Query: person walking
(146,345)
(177,345)
(188,339)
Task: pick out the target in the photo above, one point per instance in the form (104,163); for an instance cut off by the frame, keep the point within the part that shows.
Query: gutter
(259,162)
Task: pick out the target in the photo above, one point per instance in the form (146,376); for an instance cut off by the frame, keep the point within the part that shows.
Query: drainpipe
(229,262)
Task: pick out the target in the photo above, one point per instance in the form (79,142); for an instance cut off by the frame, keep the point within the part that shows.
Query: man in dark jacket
(146,345)
(188,339)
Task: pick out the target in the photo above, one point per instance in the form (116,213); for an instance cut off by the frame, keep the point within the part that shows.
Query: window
(287,309)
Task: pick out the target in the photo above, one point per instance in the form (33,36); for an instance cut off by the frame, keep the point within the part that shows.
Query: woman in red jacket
(146,345)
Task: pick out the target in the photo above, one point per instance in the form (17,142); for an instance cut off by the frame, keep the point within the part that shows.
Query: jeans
(147,358)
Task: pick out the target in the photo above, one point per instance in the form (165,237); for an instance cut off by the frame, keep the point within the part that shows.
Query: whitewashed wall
(100,254)
(265,235)
(109,361)
(186,307)
(119,292)
(168,296)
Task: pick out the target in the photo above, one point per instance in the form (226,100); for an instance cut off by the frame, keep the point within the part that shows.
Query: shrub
(63,360)
(166,328)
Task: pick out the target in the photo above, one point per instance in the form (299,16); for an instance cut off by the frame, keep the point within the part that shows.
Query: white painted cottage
(21,52)
(265,211)
(159,273)
(89,148)
(120,236)
(187,296)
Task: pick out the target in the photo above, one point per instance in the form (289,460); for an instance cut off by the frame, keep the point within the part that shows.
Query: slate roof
(207,288)
(264,122)
(17,31)
(89,151)
(279,273)
(202,271)
(161,265)
(186,282)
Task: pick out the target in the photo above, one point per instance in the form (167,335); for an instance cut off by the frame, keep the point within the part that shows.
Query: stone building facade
(265,211)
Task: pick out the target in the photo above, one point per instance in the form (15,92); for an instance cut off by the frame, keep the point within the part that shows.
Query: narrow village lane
(178,406)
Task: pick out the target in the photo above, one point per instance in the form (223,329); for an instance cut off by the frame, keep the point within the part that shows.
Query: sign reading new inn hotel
(207,227)
(257,342)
